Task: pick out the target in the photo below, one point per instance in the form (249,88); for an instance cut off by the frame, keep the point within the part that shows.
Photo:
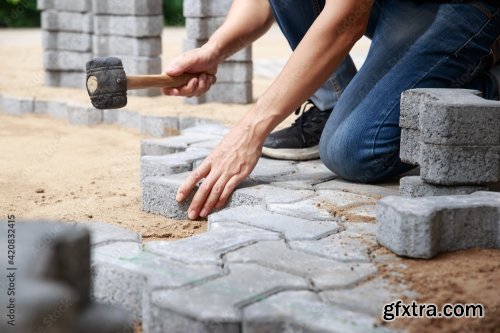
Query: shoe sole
(302,154)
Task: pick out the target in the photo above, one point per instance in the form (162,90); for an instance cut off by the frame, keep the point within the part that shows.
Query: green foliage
(19,13)
(23,13)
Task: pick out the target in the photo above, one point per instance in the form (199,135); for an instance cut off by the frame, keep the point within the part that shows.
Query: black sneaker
(299,142)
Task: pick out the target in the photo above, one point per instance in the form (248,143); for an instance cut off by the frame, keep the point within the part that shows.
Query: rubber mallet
(107,82)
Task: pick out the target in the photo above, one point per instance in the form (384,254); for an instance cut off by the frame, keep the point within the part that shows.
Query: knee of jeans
(350,159)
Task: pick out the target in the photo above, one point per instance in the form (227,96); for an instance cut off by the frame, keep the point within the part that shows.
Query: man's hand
(202,60)
(227,166)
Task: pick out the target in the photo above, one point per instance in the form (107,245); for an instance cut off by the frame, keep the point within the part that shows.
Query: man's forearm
(320,52)
(246,21)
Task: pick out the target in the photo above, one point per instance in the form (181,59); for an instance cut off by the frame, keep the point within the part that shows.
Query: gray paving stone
(303,311)
(127,279)
(235,71)
(66,21)
(375,191)
(98,318)
(201,8)
(133,26)
(128,7)
(141,65)
(214,306)
(291,228)
(313,172)
(351,245)
(159,126)
(455,165)
(424,227)
(410,146)
(44,4)
(84,115)
(208,248)
(152,92)
(129,119)
(225,92)
(65,79)
(209,144)
(120,45)
(174,144)
(68,41)
(203,27)
(110,117)
(214,129)
(65,60)
(368,298)
(265,195)
(243,55)
(52,108)
(17,106)
(204,125)
(104,233)
(161,166)
(322,273)
(268,170)
(325,206)
(73,5)
(415,187)
(41,306)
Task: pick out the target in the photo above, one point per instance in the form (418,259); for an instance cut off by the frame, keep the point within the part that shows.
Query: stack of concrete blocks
(67,27)
(454,136)
(75,31)
(50,273)
(130,30)
(234,76)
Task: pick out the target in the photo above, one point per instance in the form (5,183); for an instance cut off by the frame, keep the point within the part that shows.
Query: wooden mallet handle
(158,81)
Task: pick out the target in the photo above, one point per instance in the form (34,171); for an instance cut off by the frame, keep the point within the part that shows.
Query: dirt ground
(50,169)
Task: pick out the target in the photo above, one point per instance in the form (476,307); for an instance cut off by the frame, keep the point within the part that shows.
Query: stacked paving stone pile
(75,31)
(52,282)
(234,77)
(454,136)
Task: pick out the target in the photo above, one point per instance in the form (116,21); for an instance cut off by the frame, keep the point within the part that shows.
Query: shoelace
(305,127)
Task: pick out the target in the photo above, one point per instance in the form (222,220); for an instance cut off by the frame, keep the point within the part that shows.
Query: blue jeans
(414,45)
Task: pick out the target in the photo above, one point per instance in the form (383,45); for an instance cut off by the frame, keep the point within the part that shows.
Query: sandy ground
(50,169)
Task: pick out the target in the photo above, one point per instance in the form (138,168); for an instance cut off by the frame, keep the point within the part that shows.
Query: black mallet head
(107,83)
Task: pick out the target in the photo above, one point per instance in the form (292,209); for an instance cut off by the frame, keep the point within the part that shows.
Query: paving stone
(110,117)
(415,187)
(129,119)
(104,233)
(41,306)
(303,311)
(133,26)
(209,144)
(68,41)
(313,172)
(369,297)
(65,79)
(202,8)
(375,191)
(66,21)
(410,146)
(208,248)
(268,170)
(203,27)
(291,228)
(233,71)
(52,108)
(120,45)
(65,60)
(265,195)
(351,245)
(215,129)
(424,227)
(84,115)
(326,206)
(73,5)
(151,92)
(225,92)
(243,55)
(323,273)
(171,145)
(161,166)
(17,106)
(213,306)
(128,7)
(159,126)
(98,318)
(44,4)
(186,123)
(128,279)
(141,65)
(455,165)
